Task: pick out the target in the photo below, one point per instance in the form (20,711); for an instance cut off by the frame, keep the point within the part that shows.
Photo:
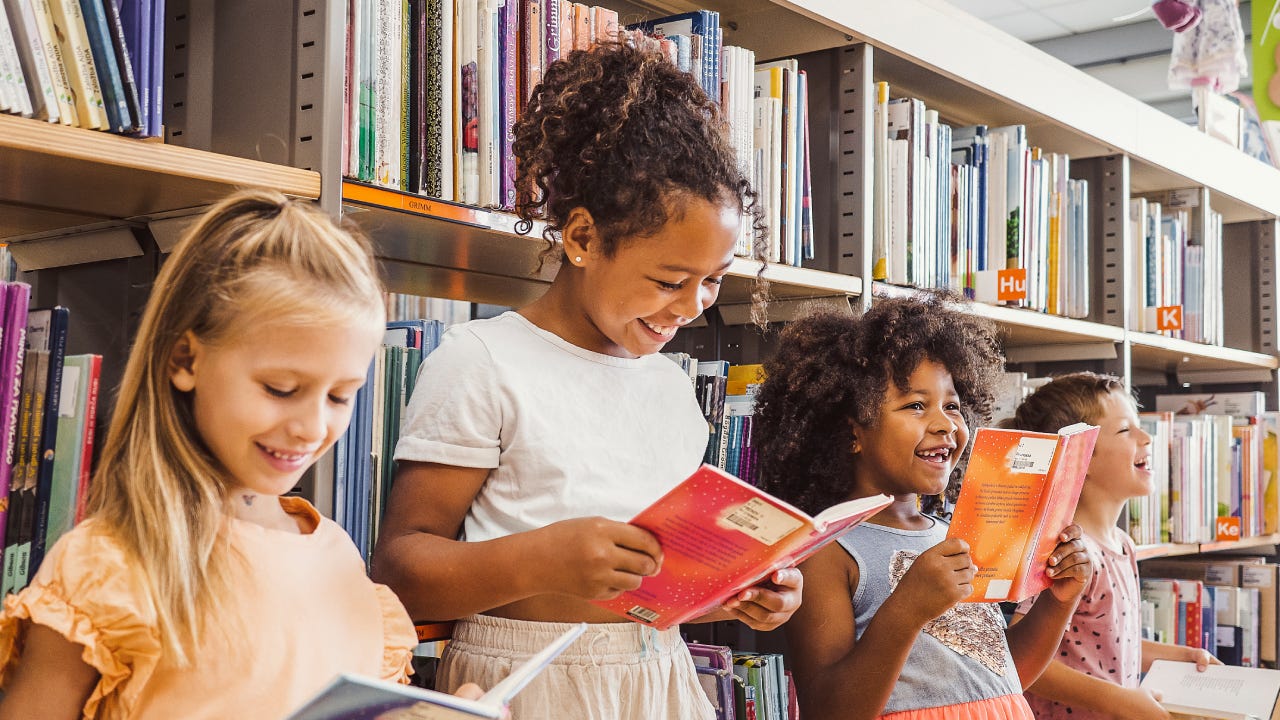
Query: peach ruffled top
(306,612)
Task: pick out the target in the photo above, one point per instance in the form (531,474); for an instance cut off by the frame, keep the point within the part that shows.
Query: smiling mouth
(938,455)
(287,457)
(665,331)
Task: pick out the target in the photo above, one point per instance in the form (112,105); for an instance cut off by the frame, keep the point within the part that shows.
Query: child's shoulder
(89,568)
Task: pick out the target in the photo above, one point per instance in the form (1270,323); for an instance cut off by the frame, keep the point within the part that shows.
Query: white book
(349,697)
(26,33)
(13,83)
(1222,692)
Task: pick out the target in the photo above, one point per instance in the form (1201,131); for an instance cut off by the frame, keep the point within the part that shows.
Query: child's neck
(902,514)
(263,510)
(1097,516)
(558,312)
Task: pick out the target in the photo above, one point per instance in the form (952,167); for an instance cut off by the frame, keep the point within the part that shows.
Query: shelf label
(1228,529)
(1000,285)
(1169,317)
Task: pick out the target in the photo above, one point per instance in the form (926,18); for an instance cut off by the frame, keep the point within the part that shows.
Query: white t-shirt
(567,432)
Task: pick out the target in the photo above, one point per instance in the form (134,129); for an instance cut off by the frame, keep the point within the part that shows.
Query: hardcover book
(1224,692)
(1019,491)
(720,535)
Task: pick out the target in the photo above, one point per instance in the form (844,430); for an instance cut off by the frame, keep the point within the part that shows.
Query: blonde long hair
(257,255)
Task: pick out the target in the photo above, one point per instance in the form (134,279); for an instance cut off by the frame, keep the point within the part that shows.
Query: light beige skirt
(615,671)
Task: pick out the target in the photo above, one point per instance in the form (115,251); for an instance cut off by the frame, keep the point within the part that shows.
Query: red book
(1019,491)
(90,428)
(720,535)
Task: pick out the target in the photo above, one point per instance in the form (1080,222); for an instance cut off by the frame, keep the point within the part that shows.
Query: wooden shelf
(441,249)
(1147,552)
(1164,354)
(55,179)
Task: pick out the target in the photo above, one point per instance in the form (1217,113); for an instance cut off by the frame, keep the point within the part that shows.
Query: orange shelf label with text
(1011,284)
(1169,317)
(1228,529)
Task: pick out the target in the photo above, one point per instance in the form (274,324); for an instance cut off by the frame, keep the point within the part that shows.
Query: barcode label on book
(643,614)
(1033,455)
(761,521)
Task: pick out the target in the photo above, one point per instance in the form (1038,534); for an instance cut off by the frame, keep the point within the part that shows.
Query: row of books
(1177,261)
(758,684)
(434,88)
(95,64)
(953,206)
(48,408)
(1225,605)
(1214,461)
(726,394)
(363,465)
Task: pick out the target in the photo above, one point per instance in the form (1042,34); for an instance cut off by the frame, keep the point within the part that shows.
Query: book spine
(31,50)
(16,299)
(31,470)
(14,95)
(509,94)
(49,435)
(85,466)
(155,113)
(69,27)
(110,84)
(433,93)
(14,530)
(120,45)
(52,52)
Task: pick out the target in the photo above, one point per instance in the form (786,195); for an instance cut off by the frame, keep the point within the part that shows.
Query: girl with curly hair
(1102,655)
(883,403)
(534,436)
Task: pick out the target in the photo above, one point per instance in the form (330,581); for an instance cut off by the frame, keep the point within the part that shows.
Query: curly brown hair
(832,371)
(1065,400)
(626,135)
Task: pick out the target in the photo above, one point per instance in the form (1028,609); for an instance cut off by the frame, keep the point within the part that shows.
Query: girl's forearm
(1033,640)
(859,685)
(1072,687)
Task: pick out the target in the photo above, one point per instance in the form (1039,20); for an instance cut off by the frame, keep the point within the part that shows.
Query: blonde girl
(194,589)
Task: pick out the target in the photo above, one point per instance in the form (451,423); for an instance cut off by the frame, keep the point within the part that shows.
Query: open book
(1019,491)
(350,697)
(720,535)
(1222,692)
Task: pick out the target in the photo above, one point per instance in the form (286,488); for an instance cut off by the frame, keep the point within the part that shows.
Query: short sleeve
(86,592)
(399,637)
(454,416)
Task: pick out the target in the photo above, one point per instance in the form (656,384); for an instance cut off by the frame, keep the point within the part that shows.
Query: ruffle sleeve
(86,591)
(399,637)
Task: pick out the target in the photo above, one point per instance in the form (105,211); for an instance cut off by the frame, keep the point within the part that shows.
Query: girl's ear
(183,360)
(579,236)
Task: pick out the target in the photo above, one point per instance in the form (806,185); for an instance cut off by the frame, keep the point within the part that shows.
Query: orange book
(605,22)
(583,26)
(720,535)
(1019,491)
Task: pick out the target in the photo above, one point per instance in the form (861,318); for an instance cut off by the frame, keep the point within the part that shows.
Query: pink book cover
(90,427)
(720,535)
(13,333)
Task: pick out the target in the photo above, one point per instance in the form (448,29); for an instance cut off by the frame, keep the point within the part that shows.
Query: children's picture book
(1222,692)
(720,535)
(351,697)
(1019,491)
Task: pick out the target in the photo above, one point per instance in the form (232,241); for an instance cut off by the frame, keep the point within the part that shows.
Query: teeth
(660,329)
(285,456)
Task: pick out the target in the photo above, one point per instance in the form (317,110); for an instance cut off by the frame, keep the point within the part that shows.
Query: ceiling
(1117,41)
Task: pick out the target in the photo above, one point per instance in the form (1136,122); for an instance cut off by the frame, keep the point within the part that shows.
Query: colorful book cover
(46,330)
(84,467)
(13,335)
(1019,491)
(720,535)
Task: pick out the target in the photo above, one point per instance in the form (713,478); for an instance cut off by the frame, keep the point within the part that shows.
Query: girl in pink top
(1101,656)
(195,590)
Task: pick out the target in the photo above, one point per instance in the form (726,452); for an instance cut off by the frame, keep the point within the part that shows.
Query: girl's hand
(595,558)
(1202,658)
(1070,566)
(938,579)
(472,691)
(769,604)
(1140,704)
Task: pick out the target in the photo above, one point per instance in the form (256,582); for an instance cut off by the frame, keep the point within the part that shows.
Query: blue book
(136,19)
(104,61)
(47,331)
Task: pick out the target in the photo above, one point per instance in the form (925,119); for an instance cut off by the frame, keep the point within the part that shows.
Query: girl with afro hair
(534,436)
(883,403)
